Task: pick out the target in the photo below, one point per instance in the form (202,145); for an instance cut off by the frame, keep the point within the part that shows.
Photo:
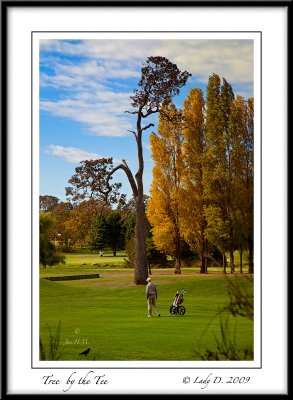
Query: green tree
(115,232)
(154,256)
(48,252)
(107,229)
(217,170)
(129,224)
(241,127)
(98,233)
(249,146)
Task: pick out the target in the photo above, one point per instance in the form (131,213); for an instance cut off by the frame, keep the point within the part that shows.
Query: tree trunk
(206,252)
(177,265)
(232,265)
(203,258)
(224,263)
(141,264)
(178,253)
(250,256)
(150,271)
(241,262)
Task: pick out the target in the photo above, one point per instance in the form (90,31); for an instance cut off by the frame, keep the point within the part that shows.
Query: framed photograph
(145,176)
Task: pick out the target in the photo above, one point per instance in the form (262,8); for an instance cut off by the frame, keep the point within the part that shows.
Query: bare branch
(131,112)
(129,175)
(132,132)
(146,127)
(150,111)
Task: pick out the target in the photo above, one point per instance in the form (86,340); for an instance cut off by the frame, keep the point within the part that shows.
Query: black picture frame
(8,228)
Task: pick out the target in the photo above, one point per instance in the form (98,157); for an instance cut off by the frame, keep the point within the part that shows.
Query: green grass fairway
(109,315)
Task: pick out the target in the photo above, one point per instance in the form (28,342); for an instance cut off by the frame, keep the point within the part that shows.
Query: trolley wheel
(181,310)
(173,310)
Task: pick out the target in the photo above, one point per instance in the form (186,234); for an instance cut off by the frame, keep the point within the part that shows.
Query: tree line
(202,188)
(93,226)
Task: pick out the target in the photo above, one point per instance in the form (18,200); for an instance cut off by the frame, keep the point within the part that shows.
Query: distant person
(101,253)
(151,295)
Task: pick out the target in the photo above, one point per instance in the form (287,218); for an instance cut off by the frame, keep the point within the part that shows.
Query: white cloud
(103,112)
(88,80)
(232,59)
(72,154)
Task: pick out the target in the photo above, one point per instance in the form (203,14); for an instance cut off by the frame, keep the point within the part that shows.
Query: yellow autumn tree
(192,221)
(163,209)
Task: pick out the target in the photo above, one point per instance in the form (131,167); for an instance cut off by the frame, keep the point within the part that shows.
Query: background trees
(48,252)
(48,203)
(80,220)
(241,125)
(202,189)
(107,229)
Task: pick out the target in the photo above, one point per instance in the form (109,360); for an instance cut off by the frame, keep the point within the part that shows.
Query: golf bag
(176,307)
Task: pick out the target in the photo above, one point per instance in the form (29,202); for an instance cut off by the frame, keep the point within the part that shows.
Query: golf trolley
(176,307)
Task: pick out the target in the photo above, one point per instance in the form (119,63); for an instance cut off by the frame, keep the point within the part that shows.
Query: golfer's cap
(148,279)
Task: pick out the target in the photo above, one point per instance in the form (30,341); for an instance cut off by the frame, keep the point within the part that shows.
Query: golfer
(151,295)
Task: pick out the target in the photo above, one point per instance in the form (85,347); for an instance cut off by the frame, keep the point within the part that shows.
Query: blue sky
(84,92)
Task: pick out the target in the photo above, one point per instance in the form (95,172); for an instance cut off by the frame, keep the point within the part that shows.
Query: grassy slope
(111,313)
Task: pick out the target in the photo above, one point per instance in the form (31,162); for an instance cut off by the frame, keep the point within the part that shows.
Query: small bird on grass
(85,353)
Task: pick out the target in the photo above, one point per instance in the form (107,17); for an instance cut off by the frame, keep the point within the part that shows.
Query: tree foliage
(107,229)
(214,195)
(48,252)
(81,217)
(217,172)
(160,81)
(193,221)
(91,181)
(97,238)
(48,203)
(115,232)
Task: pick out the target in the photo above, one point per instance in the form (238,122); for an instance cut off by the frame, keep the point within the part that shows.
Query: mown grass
(109,314)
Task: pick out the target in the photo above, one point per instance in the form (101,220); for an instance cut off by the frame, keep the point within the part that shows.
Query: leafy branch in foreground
(53,353)
(241,302)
